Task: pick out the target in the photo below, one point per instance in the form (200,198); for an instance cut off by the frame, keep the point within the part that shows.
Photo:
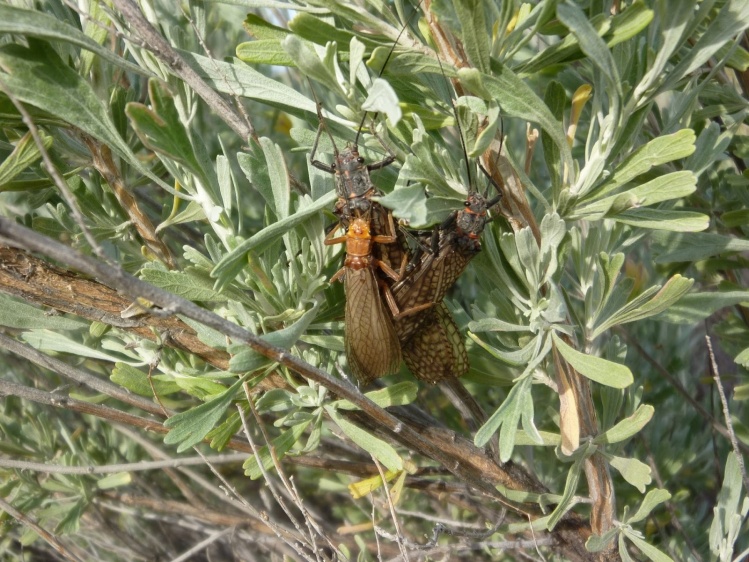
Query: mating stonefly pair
(392,314)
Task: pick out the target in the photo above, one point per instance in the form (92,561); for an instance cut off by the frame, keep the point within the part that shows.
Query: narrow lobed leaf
(595,368)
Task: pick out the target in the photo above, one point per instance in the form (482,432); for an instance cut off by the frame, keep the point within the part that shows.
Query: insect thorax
(352,175)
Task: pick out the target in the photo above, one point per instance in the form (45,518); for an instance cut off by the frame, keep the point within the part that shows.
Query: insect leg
(338,274)
(320,165)
(330,239)
(385,161)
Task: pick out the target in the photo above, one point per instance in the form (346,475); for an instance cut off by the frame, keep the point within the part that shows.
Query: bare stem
(162,50)
(48,537)
(726,413)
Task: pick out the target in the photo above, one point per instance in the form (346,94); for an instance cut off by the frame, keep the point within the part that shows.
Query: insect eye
(332,166)
(360,159)
(466,203)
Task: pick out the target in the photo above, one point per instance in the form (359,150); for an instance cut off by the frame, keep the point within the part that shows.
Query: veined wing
(372,348)
(429,283)
(437,350)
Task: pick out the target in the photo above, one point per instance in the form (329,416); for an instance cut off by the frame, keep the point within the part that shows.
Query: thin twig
(673,381)
(293,543)
(441,520)
(208,54)
(430,549)
(480,533)
(8,388)
(669,504)
(202,545)
(398,531)
(114,468)
(536,542)
(77,375)
(271,484)
(58,180)
(198,479)
(312,525)
(162,50)
(189,521)
(726,413)
(48,537)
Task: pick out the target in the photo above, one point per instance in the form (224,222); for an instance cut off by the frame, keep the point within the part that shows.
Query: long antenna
(460,130)
(390,53)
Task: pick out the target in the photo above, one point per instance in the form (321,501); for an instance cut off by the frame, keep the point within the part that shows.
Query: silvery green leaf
(138,382)
(245,81)
(190,427)
(510,253)
(727,508)
(694,246)
(475,32)
(597,543)
(281,445)
(380,450)
(278,176)
(495,325)
(711,146)
(633,471)
(191,287)
(38,76)
(663,188)
(696,307)
(356,69)
(527,421)
(21,316)
(225,180)
(652,499)
(653,553)
(643,306)
(732,18)
(628,427)
(486,135)
(673,26)
(398,394)
(553,230)
(226,268)
(31,23)
(517,99)
(24,154)
(114,480)
(743,358)
(46,340)
(247,359)
(567,501)
(516,358)
(595,368)
(591,44)
(555,308)
(548,439)
(658,151)
(381,98)
(506,419)
(191,213)
(264,51)
(529,258)
(664,219)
